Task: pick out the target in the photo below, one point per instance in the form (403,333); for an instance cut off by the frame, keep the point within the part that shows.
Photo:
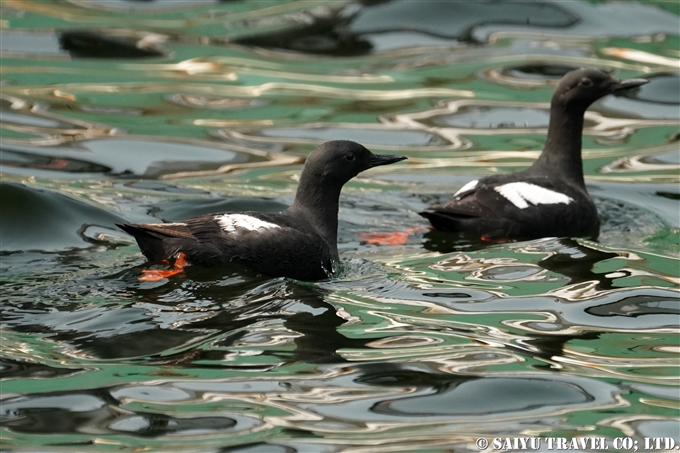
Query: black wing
(276,245)
(514,206)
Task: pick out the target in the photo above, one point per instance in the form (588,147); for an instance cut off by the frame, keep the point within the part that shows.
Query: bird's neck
(320,209)
(562,150)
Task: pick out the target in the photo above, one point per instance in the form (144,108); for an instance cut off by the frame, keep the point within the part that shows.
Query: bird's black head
(582,87)
(338,161)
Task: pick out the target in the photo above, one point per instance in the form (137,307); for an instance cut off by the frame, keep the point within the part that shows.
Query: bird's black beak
(627,84)
(383,159)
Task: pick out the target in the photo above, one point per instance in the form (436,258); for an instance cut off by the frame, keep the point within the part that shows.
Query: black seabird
(547,199)
(299,242)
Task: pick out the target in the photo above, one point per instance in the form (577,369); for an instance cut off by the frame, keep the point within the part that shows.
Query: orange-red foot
(154,275)
(494,240)
(393,238)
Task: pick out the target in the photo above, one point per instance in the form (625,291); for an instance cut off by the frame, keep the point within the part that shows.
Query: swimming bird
(547,199)
(299,242)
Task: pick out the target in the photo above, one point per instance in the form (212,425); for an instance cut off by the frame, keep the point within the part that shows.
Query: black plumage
(549,198)
(299,242)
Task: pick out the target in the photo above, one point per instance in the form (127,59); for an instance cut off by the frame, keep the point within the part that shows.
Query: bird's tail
(154,244)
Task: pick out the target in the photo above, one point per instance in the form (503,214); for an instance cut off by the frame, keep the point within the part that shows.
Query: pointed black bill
(383,159)
(628,84)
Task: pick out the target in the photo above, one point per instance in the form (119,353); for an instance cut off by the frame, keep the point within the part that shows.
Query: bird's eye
(587,83)
(349,157)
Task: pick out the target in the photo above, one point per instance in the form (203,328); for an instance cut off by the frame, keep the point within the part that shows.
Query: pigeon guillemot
(547,199)
(299,242)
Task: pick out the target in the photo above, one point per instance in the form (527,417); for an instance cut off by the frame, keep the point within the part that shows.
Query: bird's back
(272,244)
(523,205)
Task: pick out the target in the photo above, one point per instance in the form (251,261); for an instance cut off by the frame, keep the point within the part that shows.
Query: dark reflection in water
(368,26)
(359,29)
(321,35)
(216,309)
(129,157)
(669,195)
(537,71)
(18,369)
(40,219)
(317,321)
(548,348)
(98,411)
(91,44)
(437,241)
(21,159)
(576,261)
(300,307)
(639,305)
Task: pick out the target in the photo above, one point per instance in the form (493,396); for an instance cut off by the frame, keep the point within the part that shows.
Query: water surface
(130,111)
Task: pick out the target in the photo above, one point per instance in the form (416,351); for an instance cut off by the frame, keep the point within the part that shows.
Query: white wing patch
(230,222)
(518,193)
(469,186)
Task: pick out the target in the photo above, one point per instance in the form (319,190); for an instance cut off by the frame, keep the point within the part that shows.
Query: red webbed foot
(390,238)
(154,275)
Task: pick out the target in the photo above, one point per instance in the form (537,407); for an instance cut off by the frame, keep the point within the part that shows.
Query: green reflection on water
(502,312)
